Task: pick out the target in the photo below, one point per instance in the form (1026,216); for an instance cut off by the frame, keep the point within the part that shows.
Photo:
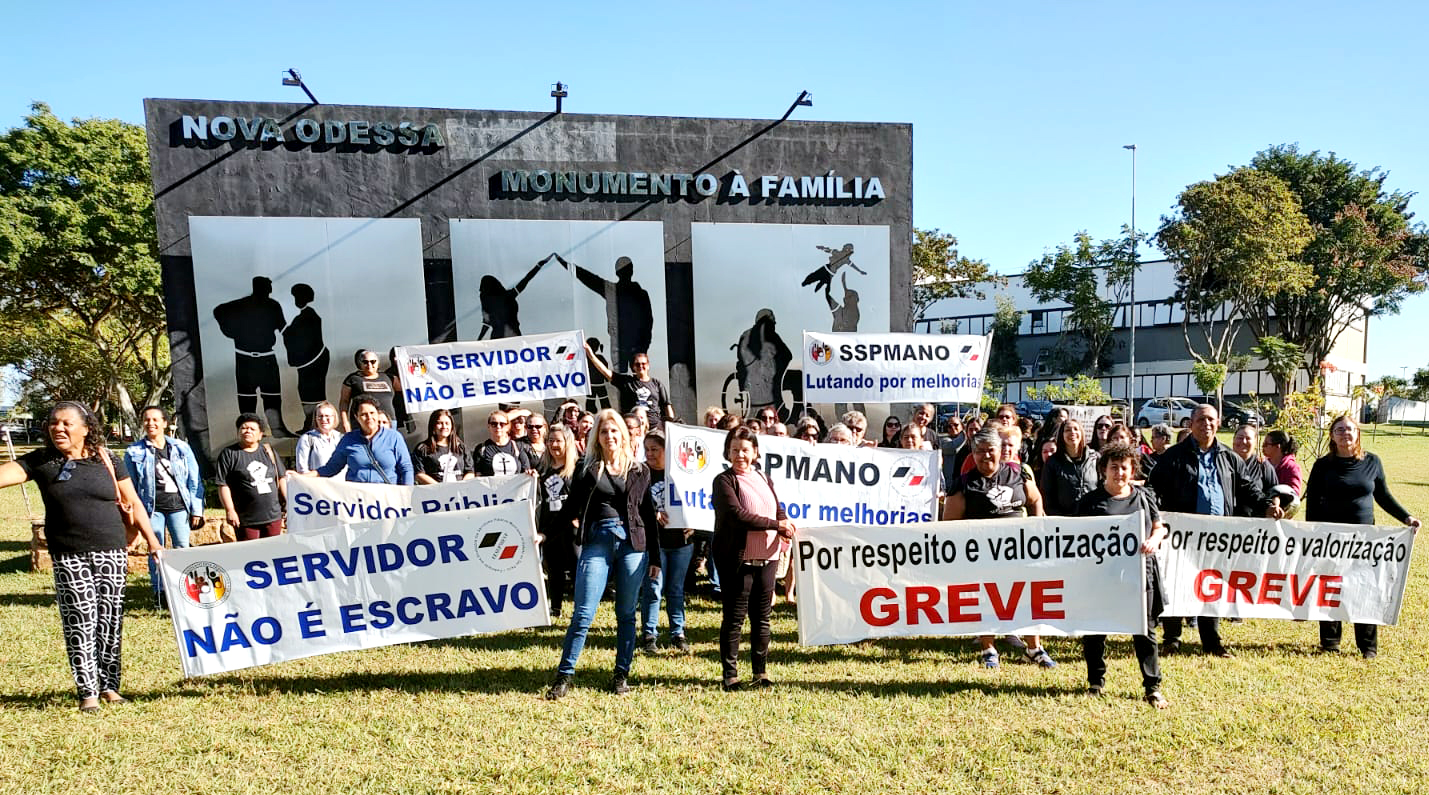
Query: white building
(1163,366)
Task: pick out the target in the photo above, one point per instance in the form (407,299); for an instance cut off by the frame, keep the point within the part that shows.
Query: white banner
(818,484)
(894,368)
(354,586)
(316,503)
(508,370)
(1262,568)
(1028,576)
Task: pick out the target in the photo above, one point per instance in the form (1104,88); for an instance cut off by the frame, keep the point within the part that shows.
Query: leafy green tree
(1079,390)
(1233,240)
(81,309)
(1003,361)
(939,272)
(1092,279)
(1282,360)
(1365,255)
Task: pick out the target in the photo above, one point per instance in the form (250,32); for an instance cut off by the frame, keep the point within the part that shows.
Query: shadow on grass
(16,565)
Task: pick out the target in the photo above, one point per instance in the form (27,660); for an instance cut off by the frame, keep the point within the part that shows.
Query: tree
(1003,361)
(1282,360)
(1233,240)
(1365,255)
(81,310)
(1079,390)
(939,272)
(1092,279)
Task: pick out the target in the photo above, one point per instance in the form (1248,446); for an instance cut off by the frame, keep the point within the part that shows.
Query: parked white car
(1174,411)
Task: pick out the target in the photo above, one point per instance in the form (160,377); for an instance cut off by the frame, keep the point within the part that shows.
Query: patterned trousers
(89,588)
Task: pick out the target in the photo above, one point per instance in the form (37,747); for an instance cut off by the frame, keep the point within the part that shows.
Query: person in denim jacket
(166,476)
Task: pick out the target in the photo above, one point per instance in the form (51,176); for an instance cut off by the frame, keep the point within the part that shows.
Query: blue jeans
(673,565)
(601,555)
(168,527)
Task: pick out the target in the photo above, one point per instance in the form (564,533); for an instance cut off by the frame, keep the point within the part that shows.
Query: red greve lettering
(1213,586)
(882,607)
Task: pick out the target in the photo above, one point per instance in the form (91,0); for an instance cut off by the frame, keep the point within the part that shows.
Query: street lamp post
(1131,316)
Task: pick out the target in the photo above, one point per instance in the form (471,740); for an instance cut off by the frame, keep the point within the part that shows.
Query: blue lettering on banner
(265,630)
(478,359)
(461,503)
(305,504)
(369,558)
(409,610)
(534,383)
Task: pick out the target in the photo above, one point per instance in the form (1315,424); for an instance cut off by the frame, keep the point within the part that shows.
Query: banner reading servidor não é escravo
(506,370)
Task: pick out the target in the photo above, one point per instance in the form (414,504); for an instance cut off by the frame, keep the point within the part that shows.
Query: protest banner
(354,586)
(316,503)
(507,370)
(818,484)
(1086,416)
(1263,568)
(1039,575)
(894,368)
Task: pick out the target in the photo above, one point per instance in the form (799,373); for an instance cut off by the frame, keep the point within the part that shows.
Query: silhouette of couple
(254,322)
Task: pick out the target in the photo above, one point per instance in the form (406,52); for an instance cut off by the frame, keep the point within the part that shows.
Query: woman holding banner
(749,524)
(85,529)
(619,534)
(1119,496)
(993,491)
(556,468)
(371,453)
(1344,486)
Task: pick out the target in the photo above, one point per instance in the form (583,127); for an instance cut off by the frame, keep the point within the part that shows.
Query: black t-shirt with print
(441,462)
(504,459)
(252,478)
(168,492)
(1002,494)
(650,394)
(379,389)
(80,511)
(1099,503)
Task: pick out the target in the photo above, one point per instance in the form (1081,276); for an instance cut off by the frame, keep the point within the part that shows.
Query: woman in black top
(1119,496)
(366,380)
(554,519)
(1070,473)
(441,457)
(1344,486)
(79,481)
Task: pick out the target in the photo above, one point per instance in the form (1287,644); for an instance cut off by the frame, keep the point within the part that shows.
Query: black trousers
(747,590)
(1148,658)
(1366,636)
(559,553)
(1210,629)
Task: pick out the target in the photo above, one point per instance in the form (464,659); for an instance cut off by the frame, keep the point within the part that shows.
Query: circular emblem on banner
(820,352)
(691,455)
(206,584)
(499,545)
(417,367)
(909,477)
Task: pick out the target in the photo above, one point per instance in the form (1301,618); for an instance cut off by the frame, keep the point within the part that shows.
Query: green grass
(902,715)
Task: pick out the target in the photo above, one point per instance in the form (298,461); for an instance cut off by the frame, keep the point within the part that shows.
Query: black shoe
(681,645)
(647,645)
(762,683)
(1329,649)
(1171,647)
(618,685)
(730,687)
(1094,690)
(1369,654)
(559,688)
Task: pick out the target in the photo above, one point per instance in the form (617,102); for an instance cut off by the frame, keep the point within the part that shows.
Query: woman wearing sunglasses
(366,380)
(892,431)
(79,480)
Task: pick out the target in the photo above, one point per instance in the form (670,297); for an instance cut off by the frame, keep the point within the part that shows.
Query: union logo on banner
(565,353)
(820,352)
(417,366)
(206,584)
(499,545)
(910,477)
(691,455)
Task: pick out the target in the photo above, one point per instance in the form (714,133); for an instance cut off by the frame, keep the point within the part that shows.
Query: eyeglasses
(369,361)
(66,471)
(536,426)
(892,424)
(1101,426)
(495,424)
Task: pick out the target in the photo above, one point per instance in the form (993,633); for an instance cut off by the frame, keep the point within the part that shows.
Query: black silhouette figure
(500,313)
(253,322)
(628,317)
(598,398)
(303,339)
(846,313)
(823,277)
(763,358)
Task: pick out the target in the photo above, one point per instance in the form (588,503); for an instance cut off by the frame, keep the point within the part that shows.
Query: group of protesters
(602,514)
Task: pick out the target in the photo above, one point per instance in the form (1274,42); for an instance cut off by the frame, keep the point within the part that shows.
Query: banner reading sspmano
(1029,576)
(316,503)
(354,586)
(818,484)
(894,368)
(1263,568)
(508,370)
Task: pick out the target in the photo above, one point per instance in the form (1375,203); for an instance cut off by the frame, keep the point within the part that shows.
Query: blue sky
(1019,112)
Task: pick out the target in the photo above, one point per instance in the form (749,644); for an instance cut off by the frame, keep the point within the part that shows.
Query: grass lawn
(902,715)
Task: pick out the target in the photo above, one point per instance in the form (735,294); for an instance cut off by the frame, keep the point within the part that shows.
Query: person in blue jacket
(371,453)
(166,476)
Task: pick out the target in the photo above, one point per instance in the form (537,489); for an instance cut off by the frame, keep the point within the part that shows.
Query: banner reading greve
(1028,576)
(894,368)
(818,484)
(316,503)
(507,370)
(354,586)
(1263,568)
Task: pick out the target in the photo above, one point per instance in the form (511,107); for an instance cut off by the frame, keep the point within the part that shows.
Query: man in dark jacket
(1203,476)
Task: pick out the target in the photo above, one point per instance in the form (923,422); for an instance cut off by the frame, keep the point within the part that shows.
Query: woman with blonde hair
(619,535)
